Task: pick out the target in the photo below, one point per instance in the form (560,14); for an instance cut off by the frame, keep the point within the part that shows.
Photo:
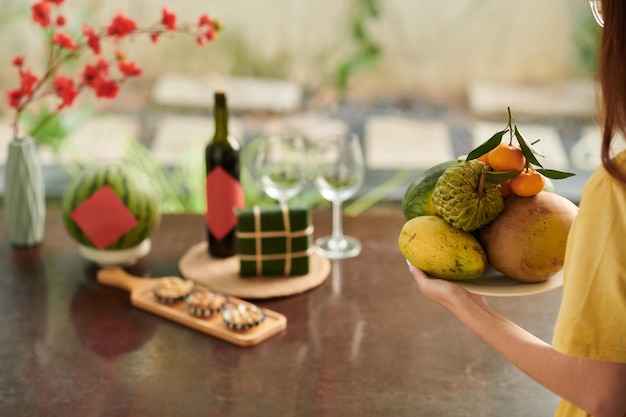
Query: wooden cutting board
(141,296)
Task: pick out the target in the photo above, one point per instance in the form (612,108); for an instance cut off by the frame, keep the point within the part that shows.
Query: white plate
(493,283)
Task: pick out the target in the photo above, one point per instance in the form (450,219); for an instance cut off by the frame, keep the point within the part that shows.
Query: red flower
(103,66)
(107,89)
(205,20)
(211,34)
(129,69)
(64,41)
(28,81)
(94,74)
(169,19)
(121,26)
(14,97)
(65,89)
(91,75)
(41,13)
(211,28)
(93,41)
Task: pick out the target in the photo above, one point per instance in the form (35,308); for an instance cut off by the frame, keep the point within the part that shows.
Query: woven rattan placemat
(222,275)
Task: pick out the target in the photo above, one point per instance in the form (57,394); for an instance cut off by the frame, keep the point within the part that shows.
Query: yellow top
(592,317)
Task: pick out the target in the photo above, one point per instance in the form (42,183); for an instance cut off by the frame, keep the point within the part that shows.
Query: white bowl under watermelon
(122,257)
(115,207)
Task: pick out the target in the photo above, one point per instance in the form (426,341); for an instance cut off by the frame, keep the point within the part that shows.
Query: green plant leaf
(534,150)
(374,196)
(499,177)
(51,129)
(554,174)
(190,174)
(358,30)
(486,146)
(252,190)
(372,7)
(526,149)
(362,60)
(368,52)
(586,37)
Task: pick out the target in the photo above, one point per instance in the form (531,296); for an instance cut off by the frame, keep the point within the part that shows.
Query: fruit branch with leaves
(516,166)
(97,75)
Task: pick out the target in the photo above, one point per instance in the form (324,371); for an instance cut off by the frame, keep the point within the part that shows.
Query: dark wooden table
(364,343)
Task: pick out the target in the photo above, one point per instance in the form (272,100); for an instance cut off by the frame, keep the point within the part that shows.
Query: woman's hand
(442,291)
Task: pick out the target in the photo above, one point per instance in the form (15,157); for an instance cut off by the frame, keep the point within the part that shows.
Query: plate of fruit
(493,283)
(490,221)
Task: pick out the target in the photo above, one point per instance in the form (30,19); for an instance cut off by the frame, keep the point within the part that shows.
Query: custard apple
(463,200)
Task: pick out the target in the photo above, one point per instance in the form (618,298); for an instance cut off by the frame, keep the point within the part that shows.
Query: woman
(586,365)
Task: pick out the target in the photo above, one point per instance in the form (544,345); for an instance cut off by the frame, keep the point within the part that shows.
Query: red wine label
(224,195)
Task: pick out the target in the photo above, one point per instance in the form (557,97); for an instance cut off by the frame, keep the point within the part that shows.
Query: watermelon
(417,200)
(133,188)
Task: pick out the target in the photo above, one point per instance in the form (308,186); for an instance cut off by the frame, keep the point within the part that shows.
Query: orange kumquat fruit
(484,158)
(505,189)
(505,157)
(528,183)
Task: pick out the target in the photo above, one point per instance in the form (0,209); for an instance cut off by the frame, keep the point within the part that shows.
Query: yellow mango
(441,250)
(527,241)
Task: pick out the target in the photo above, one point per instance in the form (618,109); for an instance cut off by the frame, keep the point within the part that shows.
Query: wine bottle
(224,194)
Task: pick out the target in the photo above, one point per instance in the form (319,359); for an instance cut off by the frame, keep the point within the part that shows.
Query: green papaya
(417,200)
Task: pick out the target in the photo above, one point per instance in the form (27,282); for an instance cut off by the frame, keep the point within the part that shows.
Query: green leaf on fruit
(554,174)
(486,146)
(498,177)
(534,150)
(526,149)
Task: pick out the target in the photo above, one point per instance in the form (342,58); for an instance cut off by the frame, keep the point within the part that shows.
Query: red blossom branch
(94,76)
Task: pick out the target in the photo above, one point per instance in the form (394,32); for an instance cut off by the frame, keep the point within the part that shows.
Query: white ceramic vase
(24,194)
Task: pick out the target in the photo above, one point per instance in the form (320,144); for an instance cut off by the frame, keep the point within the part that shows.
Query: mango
(441,250)
(527,241)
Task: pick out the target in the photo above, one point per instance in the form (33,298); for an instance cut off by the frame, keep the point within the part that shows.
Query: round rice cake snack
(240,316)
(205,303)
(171,290)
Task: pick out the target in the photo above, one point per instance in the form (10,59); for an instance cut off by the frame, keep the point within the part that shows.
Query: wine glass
(339,171)
(281,166)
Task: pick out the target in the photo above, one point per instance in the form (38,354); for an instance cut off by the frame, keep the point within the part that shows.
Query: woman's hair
(612,76)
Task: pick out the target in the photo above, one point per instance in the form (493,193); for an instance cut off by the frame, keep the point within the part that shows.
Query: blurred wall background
(434,48)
